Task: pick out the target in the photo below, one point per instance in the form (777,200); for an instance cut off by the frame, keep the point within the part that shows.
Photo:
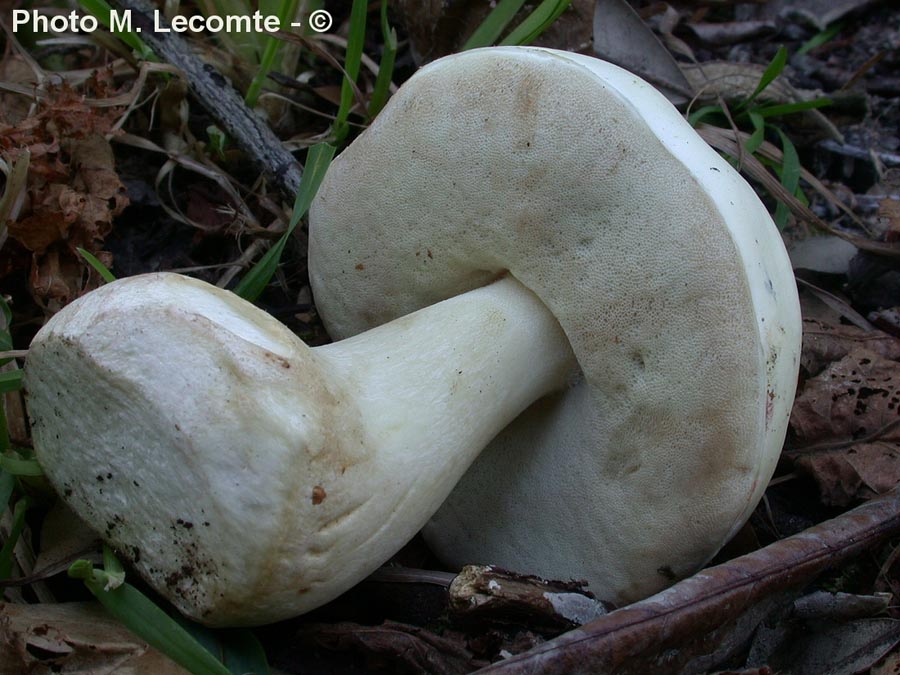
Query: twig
(709,599)
(214,92)
(405,575)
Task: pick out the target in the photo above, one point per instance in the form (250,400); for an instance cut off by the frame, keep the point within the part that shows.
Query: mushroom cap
(661,265)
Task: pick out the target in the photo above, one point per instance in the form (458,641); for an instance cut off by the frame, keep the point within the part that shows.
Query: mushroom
(528,246)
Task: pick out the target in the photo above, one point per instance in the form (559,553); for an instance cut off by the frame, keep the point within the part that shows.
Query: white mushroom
(532,228)
(249,477)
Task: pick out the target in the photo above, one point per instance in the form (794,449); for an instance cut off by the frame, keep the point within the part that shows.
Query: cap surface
(661,265)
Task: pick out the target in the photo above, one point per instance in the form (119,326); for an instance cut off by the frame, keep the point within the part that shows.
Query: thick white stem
(432,389)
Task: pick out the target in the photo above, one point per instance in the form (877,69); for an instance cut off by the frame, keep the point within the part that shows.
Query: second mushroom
(528,251)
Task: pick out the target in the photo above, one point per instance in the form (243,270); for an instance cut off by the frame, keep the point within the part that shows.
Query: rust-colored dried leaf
(846,423)
(851,399)
(73,190)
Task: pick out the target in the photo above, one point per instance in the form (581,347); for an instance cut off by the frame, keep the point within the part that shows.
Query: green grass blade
(702,113)
(791,108)
(6,341)
(4,436)
(18,524)
(244,653)
(790,176)
(317,161)
(217,141)
(20,467)
(821,38)
(146,620)
(102,269)
(773,70)
(759,133)
(382,87)
(112,568)
(286,14)
(237,648)
(355,39)
(494,24)
(7,485)
(536,22)
(10,380)
(6,313)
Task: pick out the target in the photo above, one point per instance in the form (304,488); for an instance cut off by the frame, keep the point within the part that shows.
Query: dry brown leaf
(847,424)
(824,343)
(64,537)
(890,665)
(74,192)
(622,37)
(737,81)
(73,638)
(840,606)
(850,399)
(848,475)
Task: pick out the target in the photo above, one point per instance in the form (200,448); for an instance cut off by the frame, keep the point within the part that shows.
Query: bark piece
(484,593)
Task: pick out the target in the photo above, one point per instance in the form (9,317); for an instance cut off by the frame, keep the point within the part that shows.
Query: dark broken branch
(220,99)
(709,599)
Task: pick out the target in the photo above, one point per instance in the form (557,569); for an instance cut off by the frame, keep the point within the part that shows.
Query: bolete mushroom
(519,230)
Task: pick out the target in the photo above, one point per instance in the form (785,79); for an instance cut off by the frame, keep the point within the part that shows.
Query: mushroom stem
(251,478)
(433,388)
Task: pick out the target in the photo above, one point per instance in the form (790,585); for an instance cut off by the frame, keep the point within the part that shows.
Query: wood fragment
(486,594)
(220,99)
(712,597)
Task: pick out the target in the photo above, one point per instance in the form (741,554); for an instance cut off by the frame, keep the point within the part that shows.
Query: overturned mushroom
(535,230)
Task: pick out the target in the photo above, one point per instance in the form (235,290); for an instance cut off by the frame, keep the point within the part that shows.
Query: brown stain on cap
(318,495)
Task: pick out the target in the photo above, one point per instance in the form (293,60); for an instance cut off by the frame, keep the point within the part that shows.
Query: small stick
(214,92)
